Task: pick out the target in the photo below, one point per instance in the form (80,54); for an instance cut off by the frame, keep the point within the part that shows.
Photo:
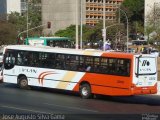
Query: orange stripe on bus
(67,77)
(43,74)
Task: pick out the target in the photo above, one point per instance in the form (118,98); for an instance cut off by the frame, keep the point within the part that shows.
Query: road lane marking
(71,107)
(11,107)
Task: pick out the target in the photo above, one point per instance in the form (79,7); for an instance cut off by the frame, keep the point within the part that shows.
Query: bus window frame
(78,59)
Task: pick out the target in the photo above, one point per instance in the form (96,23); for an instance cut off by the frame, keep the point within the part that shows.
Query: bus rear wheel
(23,83)
(85,91)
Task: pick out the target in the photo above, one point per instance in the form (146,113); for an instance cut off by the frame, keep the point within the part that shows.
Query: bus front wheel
(23,83)
(85,91)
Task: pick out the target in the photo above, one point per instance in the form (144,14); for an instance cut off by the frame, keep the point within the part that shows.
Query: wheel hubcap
(84,91)
(23,83)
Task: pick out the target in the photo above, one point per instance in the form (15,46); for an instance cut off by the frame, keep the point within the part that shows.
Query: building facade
(94,10)
(63,13)
(8,6)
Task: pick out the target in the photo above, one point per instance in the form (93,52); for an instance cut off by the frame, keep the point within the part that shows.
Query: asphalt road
(38,102)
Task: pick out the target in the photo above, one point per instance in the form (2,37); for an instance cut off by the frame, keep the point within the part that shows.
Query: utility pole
(104,24)
(119,21)
(81,32)
(127,26)
(76,24)
(30,29)
(27,16)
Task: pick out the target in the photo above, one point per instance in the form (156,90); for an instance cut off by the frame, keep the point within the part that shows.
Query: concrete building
(62,13)
(94,10)
(8,6)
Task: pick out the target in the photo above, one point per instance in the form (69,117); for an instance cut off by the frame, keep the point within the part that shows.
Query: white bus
(110,73)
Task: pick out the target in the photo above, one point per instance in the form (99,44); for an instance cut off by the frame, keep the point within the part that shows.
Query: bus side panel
(111,91)
(10,78)
(107,84)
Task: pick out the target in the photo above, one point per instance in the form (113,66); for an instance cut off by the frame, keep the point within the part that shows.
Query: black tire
(23,83)
(85,91)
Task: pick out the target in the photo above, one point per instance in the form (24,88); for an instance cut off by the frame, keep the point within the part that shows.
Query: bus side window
(9,60)
(49,62)
(73,63)
(123,66)
(27,59)
(19,58)
(59,61)
(127,67)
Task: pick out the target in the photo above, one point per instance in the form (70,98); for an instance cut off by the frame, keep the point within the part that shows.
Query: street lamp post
(104,24)
(81,31)
(106,30)
(76,45)
(112,25)
(27,16)
(26,31)
(127,25)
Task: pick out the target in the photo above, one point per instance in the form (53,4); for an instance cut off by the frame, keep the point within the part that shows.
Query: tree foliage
(18,20)
(152,28)
(135,9)
(68,32)
(34,18)
(116,34)
(7,33)
(17,23)
(135,13)
(93,34)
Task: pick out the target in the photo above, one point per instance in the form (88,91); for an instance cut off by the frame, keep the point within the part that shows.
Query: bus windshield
(146,66)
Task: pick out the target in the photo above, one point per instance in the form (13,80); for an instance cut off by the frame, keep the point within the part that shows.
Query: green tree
(34,19)
(8,33)
(134,9)
(135,13)
(34,16)
(18,20)
(93,34)
(17,23)
(152,25)
(68,32)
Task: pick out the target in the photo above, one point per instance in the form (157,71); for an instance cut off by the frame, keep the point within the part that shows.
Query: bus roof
(70,51)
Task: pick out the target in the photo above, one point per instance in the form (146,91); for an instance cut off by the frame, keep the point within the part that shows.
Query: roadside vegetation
(134,9)
(17,23)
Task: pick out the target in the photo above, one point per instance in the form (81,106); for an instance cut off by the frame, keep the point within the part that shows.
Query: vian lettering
(29,70)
